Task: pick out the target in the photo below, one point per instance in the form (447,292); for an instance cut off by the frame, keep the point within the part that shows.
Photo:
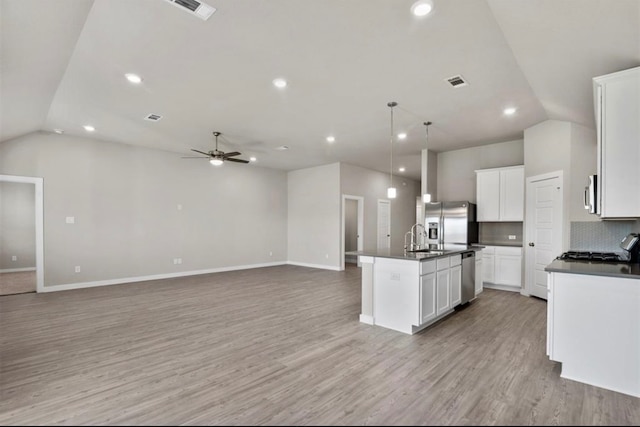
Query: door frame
(529,227)
(360,215)
(39,222)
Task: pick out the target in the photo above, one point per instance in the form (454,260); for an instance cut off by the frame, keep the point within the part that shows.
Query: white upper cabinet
(617,105)
(500,194)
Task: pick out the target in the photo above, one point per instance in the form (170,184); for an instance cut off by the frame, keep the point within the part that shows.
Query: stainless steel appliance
(591,195)
(468,276)
(450,222)
(631,246)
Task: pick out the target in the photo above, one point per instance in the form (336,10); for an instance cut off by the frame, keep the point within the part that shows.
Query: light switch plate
(70,220)
(512,237)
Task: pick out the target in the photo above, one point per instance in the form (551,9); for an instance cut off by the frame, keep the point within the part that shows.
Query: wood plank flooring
(18,282)
(280,346)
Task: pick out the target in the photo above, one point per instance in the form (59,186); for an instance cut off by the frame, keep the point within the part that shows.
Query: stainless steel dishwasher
(468,276)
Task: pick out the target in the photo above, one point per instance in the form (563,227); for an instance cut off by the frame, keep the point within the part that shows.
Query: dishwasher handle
(468,254)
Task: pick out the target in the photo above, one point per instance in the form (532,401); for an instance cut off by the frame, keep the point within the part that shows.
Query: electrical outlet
(326,256)
(270,253)
(512,237)
(70,220)
(179,260)
(395,276)
(77,269)
(175,261)
(14,258)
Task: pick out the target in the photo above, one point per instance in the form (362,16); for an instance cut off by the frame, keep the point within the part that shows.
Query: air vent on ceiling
(194,7)
(457,81)
(153,117)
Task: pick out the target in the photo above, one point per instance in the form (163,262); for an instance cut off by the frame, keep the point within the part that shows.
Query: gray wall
(314,221)
(456,169)
(124,200)
(583,162)
(372,185)
(17,225)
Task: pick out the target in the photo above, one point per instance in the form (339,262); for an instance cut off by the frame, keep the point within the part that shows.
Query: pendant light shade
(426,197)
(391,191)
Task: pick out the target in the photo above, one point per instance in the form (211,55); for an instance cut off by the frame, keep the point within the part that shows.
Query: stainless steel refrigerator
(450,222)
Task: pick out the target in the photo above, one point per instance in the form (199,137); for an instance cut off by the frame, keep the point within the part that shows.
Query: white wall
(456,169)
(314,217)
(372,185)
(124,200)
(17,225)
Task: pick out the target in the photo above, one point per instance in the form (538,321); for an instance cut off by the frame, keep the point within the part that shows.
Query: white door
(544,229)
(384,224)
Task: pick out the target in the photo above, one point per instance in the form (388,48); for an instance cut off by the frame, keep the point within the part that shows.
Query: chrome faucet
(414,244)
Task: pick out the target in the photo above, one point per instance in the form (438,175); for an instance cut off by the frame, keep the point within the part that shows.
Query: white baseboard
(501,287)
(365,318)
(17,270)
(305,264)
(82,285)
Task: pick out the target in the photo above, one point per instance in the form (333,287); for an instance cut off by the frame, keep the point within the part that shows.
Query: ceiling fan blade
(194,157)
(237,160)
(235,153)
(201,152)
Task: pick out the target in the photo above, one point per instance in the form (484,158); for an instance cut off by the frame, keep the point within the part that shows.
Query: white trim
(360,213)
(306,264)
(487,285)
(82,285)
(17,270)
(366,319)
(39,218)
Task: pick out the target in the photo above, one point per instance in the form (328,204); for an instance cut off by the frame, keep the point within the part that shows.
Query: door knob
(531,244)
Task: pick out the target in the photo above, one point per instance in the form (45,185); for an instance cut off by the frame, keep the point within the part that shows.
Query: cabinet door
(479,276)
(488,268)
(455,281)
(512,194)
(508,270)
(619,144)
(427,297)
(488,195)
(443,295)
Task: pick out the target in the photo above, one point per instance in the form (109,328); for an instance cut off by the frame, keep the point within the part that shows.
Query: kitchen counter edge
(618,269)
(418,256)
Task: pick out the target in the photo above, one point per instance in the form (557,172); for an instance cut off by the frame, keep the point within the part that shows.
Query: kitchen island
(408,291)
(593,323)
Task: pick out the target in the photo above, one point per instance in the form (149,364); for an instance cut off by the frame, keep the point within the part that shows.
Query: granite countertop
(447,250)
(514,245)
(594,268)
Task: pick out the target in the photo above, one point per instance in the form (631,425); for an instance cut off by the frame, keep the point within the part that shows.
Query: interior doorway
(21,235)
(352,227)
(384,224)
(543,240)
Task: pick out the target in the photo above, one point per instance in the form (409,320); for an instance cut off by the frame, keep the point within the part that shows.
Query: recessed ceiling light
(89,128)
(402,135)
(509,111)
(280,83)
(59,131)
(331,138)
(133,78)
(253,159)
(401,169)
(421,8)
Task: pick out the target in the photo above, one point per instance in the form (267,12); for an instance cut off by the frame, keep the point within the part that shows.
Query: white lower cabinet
(502,267)
(443,291)
(427,297)
(479,273)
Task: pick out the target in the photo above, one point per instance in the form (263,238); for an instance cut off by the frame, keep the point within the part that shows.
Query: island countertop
(616,269)
(443,250)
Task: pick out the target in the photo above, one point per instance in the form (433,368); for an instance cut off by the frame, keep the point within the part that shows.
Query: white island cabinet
(410,294)
(593,324)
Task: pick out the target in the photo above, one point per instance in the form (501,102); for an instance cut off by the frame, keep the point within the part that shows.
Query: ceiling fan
(217,157)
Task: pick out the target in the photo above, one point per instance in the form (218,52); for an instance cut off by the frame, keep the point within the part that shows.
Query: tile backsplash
(602,236)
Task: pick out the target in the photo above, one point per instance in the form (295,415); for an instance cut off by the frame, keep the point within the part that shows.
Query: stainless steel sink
(428,251)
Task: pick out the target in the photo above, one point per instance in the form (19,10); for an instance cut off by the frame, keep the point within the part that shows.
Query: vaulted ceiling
(63,64)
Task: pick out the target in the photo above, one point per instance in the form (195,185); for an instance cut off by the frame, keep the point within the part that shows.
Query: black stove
(592,256)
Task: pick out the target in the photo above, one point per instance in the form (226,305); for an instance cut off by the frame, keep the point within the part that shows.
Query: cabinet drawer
(427,267)
(508,250)
(489,250)
(443,263)
(455,260)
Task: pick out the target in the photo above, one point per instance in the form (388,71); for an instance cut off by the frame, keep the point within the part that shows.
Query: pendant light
(426,197)
(391,191)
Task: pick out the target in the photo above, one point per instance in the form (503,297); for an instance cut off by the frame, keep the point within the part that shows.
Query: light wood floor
(18,282)
(280,346)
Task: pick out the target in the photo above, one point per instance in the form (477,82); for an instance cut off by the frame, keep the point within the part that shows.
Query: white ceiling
(63,66)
